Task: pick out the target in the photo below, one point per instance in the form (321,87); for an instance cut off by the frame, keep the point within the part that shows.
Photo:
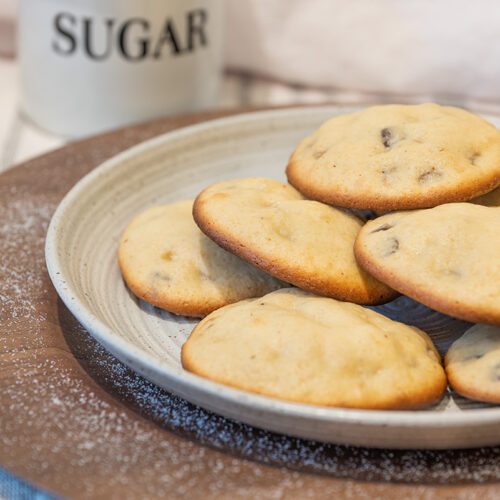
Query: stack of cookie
(316,343)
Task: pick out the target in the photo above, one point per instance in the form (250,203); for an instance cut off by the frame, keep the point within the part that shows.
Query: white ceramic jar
(91,65)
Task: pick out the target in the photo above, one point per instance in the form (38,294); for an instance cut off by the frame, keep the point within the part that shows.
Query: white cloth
(444,48)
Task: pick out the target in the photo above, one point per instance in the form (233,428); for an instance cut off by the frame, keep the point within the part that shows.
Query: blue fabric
(11,488)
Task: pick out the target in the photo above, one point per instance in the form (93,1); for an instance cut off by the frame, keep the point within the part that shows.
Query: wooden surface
(76,422)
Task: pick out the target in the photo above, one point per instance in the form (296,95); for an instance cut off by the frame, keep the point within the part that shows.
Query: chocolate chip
(391,246)
(473,357)
(473,157)
(318,154)
(429,175)
(386,136)
(383,227)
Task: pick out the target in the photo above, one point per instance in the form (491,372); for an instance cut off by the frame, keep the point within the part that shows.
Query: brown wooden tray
(78,423)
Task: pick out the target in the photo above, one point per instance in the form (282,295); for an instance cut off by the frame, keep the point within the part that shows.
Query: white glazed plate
(81,253)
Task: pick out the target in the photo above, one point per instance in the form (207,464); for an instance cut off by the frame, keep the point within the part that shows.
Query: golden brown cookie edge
(418,400)
(466,389)
(196,309)
(329,196)
(426,296)
(273,267)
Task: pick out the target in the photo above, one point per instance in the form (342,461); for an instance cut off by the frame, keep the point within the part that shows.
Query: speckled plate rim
(195,388)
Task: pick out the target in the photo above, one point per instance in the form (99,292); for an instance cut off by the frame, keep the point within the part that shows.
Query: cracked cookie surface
(303,242)
(398,157)
(296,346)
(167,261)
(447,257)
(473,364)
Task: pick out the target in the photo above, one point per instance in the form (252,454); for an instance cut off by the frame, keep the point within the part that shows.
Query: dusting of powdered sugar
(137,438)
(23,226)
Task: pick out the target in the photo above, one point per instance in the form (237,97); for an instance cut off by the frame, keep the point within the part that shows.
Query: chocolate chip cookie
(398,157)
(303,242)
(446,257)
(299,347)
(473,364)
(167,261)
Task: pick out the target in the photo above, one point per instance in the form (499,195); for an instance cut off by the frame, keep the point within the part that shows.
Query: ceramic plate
(81,253)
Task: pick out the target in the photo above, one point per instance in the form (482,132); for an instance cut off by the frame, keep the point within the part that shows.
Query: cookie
(446,257)
(398,157)
(167,261)
(491,199)
(303,242)
(299,347)
(473,364)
